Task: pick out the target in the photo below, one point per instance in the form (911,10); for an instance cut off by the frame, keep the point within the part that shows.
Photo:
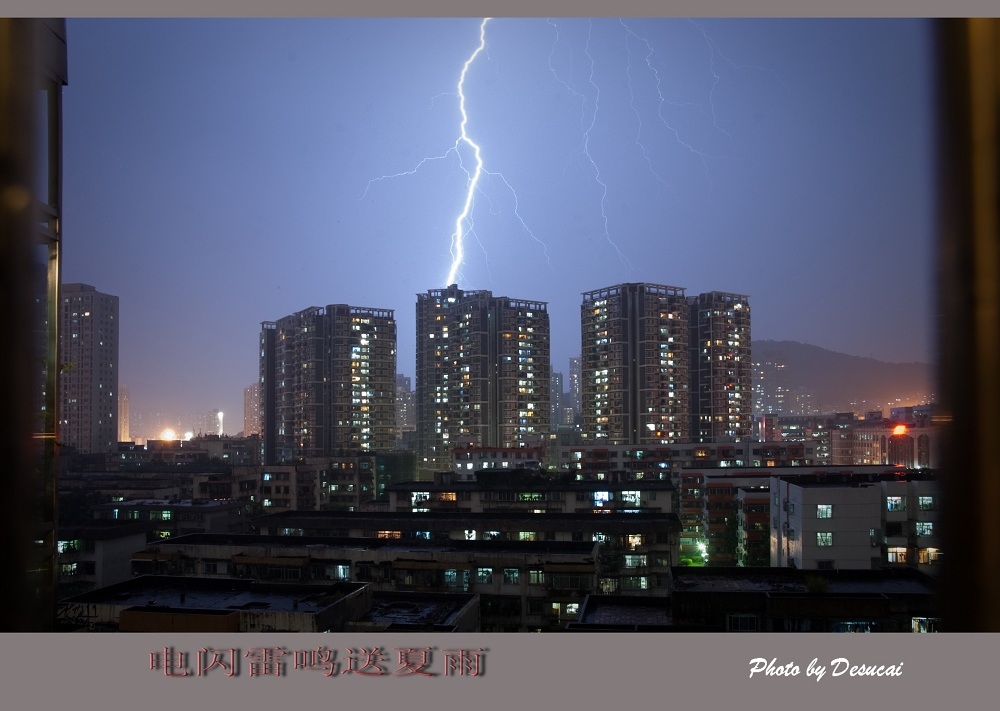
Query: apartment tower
(251,410)
(327,382)
(406,416)
(483,370)
(575,380)
(634,365)
(721,367)
(124,431)
(88,377)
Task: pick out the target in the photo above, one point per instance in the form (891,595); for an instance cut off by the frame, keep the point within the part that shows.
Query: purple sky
(220,173)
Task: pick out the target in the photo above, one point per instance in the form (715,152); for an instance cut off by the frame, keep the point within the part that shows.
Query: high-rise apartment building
(483,369)
(251,410)
(406,416)
(720,367)
(575,385)
(770,387)
(327,382)
(634,364)
(556,397)
(88,380)
(212,423)
(124,429)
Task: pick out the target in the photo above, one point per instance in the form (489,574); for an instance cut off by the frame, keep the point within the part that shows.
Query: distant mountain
(837,382)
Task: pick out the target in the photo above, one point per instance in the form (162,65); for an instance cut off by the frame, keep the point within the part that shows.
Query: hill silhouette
(837,382)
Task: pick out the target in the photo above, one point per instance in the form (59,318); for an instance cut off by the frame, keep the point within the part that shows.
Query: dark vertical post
(968,100)
(32,73)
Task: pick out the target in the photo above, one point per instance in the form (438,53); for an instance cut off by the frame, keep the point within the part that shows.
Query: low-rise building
(97,553)
(636,549)
(521,585)
(837,520)
(527,491)
(169,518)
(790,600)
(186,604)
(416,611)
(753,544)
(624,461)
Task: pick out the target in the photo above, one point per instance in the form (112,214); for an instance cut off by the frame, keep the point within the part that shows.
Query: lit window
(824,511)
(69,546)
(925,528)
(925,624)
(926,556)
(824,538)
(895,503)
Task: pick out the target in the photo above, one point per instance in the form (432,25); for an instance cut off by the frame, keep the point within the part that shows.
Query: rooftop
(222,595)
(101,529)
(618,610)
(170,503)
(389,608)
(410,545)
(498,520)
(794,581)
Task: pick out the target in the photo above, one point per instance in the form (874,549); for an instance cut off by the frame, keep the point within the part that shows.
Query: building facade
(88,380)
(124,427)
(406,415)
(721,367)
(521,585)
(327,379)
(251,410)
(852,521)
(634,364)
(574,389)
(97,553)
(483,373)
(557,399)
(787,600)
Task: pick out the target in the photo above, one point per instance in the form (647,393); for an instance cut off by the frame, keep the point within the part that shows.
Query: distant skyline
(221,173)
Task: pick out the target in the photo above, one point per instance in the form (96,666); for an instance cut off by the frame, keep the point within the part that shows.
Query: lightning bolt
(587,129)
(458,236)
(464,226)
(405,172)
(631,93)
(662,99)
(713,48)
(470,154)
(586,151)
(517,214)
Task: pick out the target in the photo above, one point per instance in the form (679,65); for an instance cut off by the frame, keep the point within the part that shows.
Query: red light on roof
(899,430)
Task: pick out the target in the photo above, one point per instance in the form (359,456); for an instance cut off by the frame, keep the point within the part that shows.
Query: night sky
(221,173)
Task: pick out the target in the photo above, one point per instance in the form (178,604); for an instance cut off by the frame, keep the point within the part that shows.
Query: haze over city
(221,173)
